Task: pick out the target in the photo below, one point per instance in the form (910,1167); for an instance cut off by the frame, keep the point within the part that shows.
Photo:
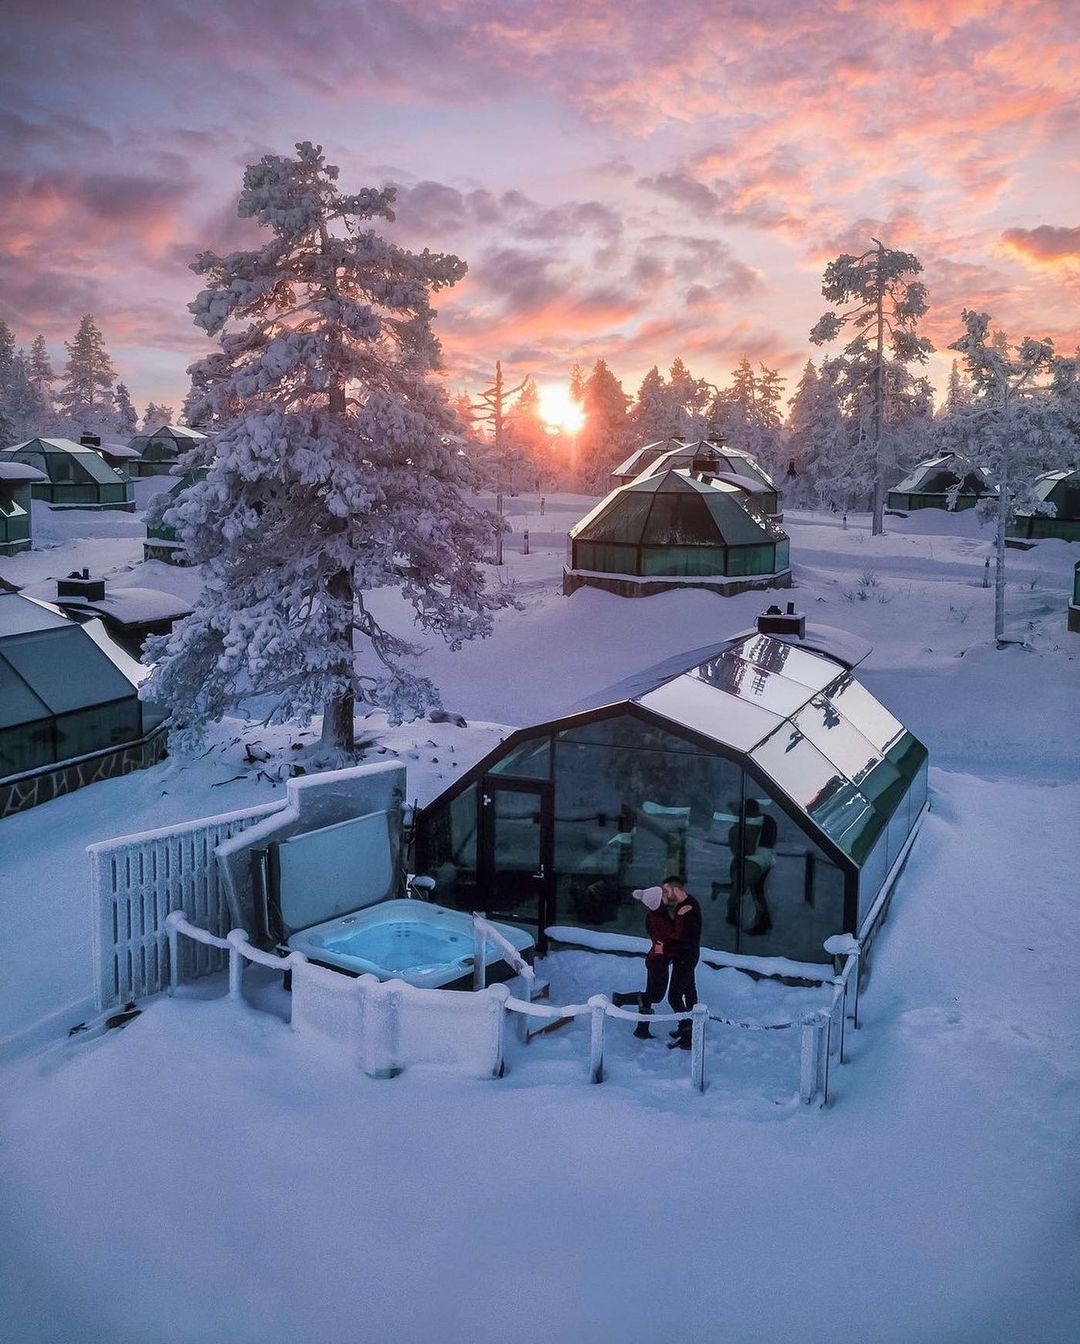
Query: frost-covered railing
(483,932)
(137,880)
(388,1025)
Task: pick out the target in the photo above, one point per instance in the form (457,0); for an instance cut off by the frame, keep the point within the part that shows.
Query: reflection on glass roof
(837,738)
(796,664)
(835,752)
(748,681)
(819,788)
(18,703)
(868,715)
(727,719)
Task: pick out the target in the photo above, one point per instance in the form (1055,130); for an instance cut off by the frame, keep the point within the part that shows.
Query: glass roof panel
(19,615)
(749,682)
(822,791)
(679,519)
(18,703)
(797,665)
(836,738)
(866,713)
(66,669)
(622,520)
(704,709)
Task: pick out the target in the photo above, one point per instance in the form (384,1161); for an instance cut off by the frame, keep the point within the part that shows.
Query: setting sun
(559,410)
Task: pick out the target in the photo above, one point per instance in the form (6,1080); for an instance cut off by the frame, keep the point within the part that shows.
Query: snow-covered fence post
(479,970)
(497,996)
(172,921)
(237,940)
(377,1027)
(811,1068)
(697,1046)
(598,1006)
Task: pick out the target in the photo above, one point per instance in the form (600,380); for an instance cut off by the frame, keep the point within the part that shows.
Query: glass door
(516,852)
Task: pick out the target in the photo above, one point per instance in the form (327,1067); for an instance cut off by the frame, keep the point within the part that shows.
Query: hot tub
(425,945)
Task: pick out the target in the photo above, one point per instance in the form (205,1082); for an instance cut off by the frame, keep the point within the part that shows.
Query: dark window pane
(450,835)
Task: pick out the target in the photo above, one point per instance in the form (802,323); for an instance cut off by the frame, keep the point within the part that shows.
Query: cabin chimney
(89,440)
(773,621)
(81,587)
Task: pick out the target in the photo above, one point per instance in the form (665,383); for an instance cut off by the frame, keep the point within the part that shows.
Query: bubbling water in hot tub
(404,945)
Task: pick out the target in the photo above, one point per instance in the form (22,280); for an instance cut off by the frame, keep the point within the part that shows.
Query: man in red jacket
(674,931)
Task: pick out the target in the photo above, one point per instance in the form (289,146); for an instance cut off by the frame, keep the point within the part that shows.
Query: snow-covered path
(933,1202)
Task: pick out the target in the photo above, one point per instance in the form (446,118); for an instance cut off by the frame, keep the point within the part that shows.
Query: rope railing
(483,932)
(816,1027)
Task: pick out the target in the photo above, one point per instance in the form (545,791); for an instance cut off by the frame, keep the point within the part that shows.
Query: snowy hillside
(198,1176)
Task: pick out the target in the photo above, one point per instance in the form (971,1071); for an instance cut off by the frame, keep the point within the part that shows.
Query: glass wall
(633,804)
(450,851)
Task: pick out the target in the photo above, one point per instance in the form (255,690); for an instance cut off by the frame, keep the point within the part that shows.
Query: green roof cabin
(70,711)
(641,459)
(946,482)
(76,476)
(162,542)
(758,768)
(159,451)
(705,457)
(16,480)
(676,529)
(1061,490)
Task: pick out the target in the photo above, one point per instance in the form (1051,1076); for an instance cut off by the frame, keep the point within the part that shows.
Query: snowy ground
(197,1177)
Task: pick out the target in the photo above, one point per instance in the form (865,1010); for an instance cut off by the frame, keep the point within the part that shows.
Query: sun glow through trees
(559,410)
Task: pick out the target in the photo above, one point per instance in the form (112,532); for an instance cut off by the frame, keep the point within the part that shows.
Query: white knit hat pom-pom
(648,896)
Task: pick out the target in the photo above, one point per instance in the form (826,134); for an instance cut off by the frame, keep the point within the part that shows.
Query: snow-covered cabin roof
(134,606)
(938,475)
(47,453)
(18,472)
(708,513)
(644,456)
(180,433)
(1049,482)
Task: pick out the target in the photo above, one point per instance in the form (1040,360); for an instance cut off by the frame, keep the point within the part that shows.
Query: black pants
(681,990)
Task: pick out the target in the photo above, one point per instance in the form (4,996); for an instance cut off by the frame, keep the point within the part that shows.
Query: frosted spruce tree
(1015,425)
(85,398)
(42,375)
(127,418)
(603,437)
(335,477)
(876,296)
(157,416)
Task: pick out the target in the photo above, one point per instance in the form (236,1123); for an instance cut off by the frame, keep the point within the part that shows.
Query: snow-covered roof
(89,460)
(20,471)
(134,606)
(921,477)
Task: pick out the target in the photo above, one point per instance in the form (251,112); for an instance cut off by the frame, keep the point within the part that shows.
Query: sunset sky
(632,180)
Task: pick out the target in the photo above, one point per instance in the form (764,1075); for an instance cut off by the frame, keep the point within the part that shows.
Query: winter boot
(641,1031)
(763,922)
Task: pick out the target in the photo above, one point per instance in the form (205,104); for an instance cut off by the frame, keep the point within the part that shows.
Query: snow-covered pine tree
(22,410)
(42,376)
(690,399)
(338,476)
(603,435)
(577,384)
(652,416)
(127,418)
(157,416)
(1015,427)
(85,398)
(874,297)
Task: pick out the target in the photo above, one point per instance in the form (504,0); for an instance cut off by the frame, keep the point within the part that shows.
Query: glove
(648,896)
